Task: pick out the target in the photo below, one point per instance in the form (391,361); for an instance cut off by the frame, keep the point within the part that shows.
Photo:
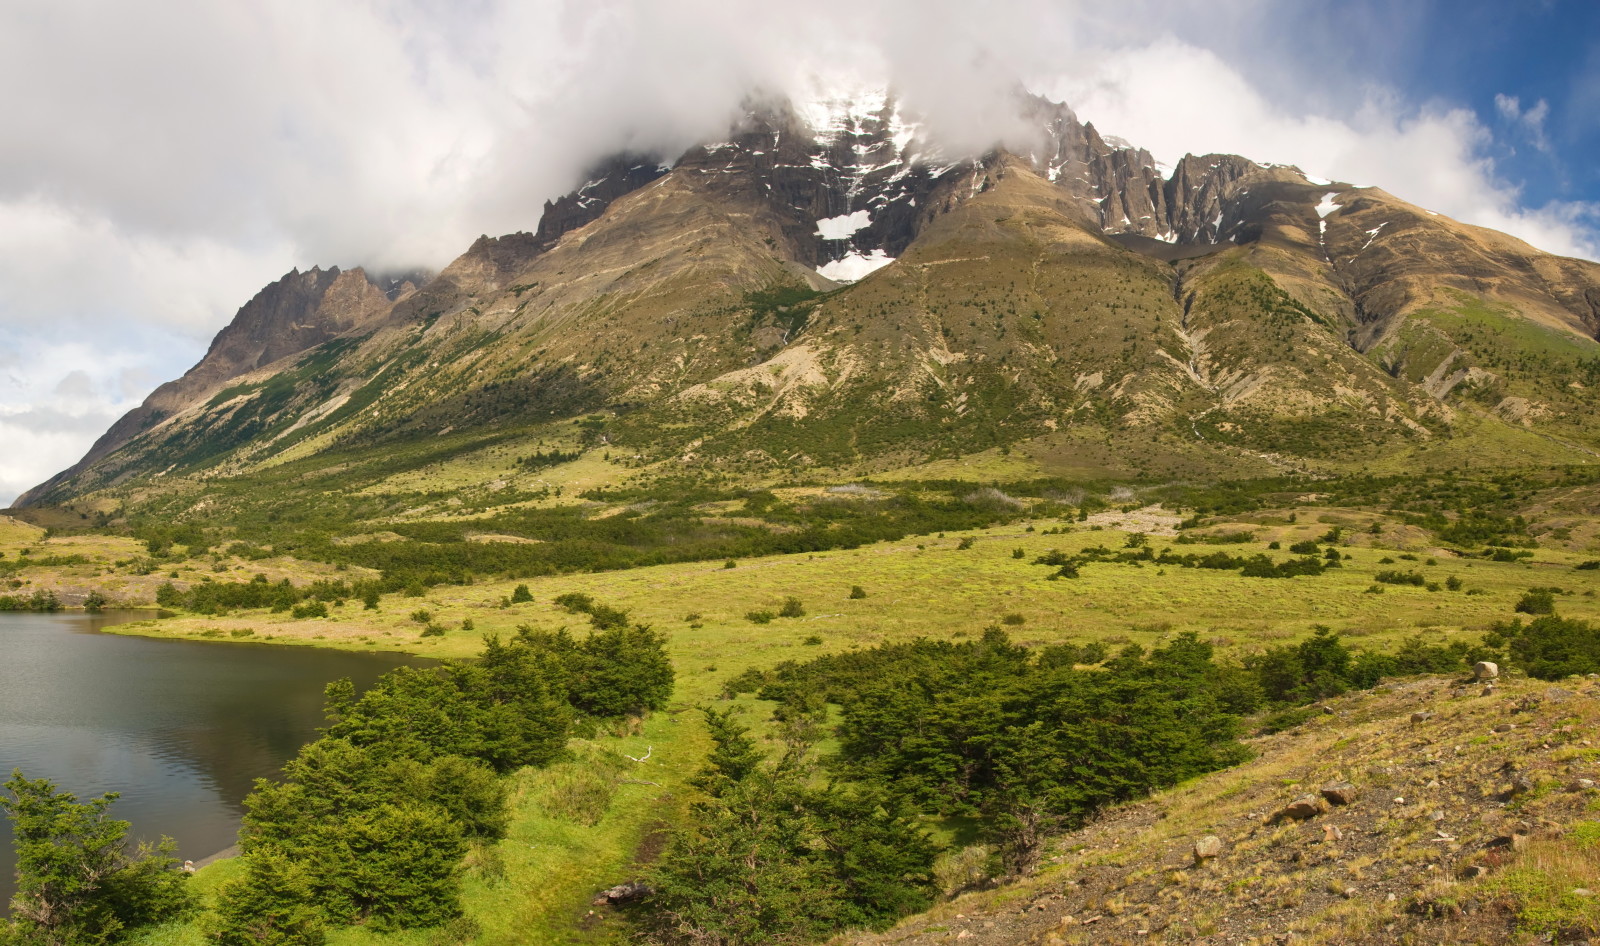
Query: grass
(580,826)
(974,588)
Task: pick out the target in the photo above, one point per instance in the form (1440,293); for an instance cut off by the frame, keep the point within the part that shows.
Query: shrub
(422,616)
(1392,577)
(1018,553)
(815,640)
(730,563)
(605,618)
(1588,566)
(76,881)
(1453,583)
(1307,547)
(271,905)
(759,617)
(310,609)
(1014,620)
(1549,647)
(521,595)
(965,543)
(1537,601)
(575,602)
(433,630)
(792,608)
(857,592)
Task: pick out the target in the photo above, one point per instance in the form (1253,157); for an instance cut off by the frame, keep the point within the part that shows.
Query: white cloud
(1531,121)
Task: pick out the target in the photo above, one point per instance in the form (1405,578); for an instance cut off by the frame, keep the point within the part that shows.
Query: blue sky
(1474,53)
(160,162)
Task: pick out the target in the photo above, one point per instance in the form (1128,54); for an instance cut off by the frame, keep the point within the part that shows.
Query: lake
(181,728)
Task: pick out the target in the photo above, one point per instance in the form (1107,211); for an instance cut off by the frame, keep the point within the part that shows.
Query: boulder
(1301,809)
(1421,716)
(1516,841)
(624,893)
(1339,793)
(1207,848)
(1485,670)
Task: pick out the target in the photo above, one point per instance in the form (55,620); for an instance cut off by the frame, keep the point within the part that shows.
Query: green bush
(759,617)
(75,880)
(792,608)
(271,905)
(1548,647)
(768,857)
(310,609)
(521,595)
(857,592)
(1537,601)
(1392,577)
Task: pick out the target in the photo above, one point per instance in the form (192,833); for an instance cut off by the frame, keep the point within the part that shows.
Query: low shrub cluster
(220,597)
(1254,566)
(38,601)
(771,855)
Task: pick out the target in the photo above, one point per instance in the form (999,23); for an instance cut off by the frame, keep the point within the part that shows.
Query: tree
(734,753)
(767,858)
(76,883)
(270,906)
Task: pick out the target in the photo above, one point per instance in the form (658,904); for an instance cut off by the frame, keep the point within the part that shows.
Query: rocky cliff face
(297,313)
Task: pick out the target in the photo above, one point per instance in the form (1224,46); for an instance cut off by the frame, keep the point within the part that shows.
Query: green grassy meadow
(584,825)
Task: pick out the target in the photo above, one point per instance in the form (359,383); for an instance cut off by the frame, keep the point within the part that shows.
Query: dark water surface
(181,728)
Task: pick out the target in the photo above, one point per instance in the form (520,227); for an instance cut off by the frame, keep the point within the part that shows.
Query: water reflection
(181,728)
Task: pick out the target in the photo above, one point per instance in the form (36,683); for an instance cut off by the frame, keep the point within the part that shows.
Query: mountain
(828,290)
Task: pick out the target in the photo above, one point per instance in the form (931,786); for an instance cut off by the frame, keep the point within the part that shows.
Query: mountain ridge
(1284,300)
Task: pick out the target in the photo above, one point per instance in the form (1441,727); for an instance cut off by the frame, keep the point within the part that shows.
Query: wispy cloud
(1529,121)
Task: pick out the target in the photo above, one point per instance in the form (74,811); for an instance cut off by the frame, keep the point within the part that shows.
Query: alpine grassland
(1003,602)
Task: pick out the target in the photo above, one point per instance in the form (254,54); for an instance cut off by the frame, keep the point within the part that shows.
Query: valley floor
(1129,869)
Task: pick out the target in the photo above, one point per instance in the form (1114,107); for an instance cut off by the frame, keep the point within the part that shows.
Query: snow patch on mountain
(855,265)
(1327,206)
(841,227)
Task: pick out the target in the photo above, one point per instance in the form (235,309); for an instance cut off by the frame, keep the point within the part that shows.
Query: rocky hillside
(826,288)
(1431,811)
